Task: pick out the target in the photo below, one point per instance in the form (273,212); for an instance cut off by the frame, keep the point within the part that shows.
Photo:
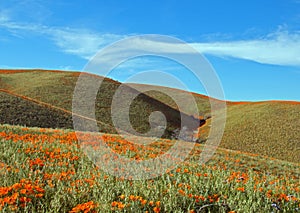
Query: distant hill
(268,128)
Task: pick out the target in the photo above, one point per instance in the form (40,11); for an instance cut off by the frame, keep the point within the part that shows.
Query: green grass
(58,177)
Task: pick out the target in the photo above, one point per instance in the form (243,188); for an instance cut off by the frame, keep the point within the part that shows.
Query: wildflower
(39,195)
(156,209)
(85,207)
(132,197)
(114,203)
(242,189)
(4,190)
(143,202)
(180,191)
(25,199)
(36,162)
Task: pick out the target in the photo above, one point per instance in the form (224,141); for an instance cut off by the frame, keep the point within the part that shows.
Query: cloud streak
(279,48)
(80,42)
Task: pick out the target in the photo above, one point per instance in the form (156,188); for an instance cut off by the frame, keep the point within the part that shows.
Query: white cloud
(280,48)
(80,42)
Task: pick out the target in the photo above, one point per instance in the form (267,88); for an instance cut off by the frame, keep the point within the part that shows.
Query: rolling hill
(269,128)
(54,89)
(265,128)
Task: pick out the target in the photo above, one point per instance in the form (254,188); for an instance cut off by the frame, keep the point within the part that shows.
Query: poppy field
(45,170)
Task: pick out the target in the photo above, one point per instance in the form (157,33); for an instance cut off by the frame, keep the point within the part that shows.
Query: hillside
(201,100)
(265,128)
(56,89)
(17,111)
(269,128)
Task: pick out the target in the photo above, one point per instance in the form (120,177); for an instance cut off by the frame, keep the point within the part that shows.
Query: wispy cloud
(279,48)
(80,42)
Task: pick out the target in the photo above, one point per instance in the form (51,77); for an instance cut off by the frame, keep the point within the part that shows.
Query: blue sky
(254,46)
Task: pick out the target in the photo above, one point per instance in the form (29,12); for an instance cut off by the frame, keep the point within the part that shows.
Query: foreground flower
(84,207)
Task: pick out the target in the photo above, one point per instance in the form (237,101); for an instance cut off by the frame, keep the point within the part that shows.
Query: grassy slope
(269,128)
(17,111)
(201,100)
(56,88)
